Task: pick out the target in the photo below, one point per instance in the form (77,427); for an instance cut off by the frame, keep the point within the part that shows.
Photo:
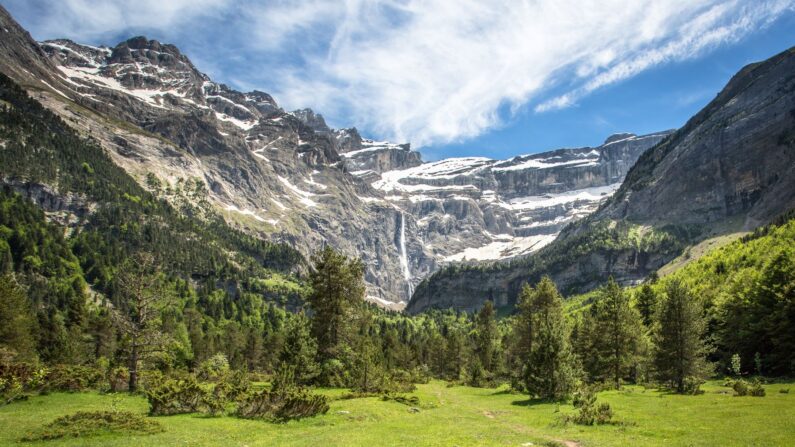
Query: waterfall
(404,260)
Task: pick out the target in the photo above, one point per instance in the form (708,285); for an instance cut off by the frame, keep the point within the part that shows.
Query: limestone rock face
(730,168)
(289,176)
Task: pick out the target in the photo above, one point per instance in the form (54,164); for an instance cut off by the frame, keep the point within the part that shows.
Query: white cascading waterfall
(404,259)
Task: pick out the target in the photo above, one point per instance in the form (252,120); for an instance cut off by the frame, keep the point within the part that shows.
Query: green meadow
(445,416)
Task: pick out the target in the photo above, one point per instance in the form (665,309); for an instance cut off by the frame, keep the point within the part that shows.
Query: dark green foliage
(175,396)
(84,424)
(401,398)
(17,322)
(588,412)
(549,366)
(611,339)
(300,349)
(486,338)
(337,288)
(646,303)
(73,378)
(680,348)
(743,388)
(18,379)
(282,404)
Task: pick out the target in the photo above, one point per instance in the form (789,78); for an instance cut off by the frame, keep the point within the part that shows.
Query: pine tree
(17,323)
(300,349)
(615,335)
(486,336)
(681,351)
(337,289)
(646,303)
(550,369)
(141,298)
(521,337)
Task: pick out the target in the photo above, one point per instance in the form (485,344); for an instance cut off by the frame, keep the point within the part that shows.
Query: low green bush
(692,385)
(213,368)
(72,378)
(743,388)
(283,404)
(176,395)
(84,424)
(401,398)
(589,413)
(19,380)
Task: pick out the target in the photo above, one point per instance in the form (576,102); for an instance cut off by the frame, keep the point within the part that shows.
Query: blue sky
(455,78)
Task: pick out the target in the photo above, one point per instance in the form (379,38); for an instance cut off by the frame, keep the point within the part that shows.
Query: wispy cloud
(428,71)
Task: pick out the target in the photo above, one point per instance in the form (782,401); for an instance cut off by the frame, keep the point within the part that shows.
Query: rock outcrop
(730,168)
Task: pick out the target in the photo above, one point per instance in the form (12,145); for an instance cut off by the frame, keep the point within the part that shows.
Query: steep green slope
(70,217)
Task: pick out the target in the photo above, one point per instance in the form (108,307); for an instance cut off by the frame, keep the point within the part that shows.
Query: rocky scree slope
(730,168)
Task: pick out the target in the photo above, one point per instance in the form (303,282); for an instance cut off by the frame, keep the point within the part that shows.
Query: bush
(756,389)
(214,368)
(72,378)
(401,398)
(784,391)
(176,396)
(17,380)
(282,404)
(589,413)
(692,385)
(740,387)
(232,387)
(85,424)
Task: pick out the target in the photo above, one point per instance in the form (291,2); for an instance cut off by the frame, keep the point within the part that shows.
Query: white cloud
(428,71)
(87,20)
(440,71)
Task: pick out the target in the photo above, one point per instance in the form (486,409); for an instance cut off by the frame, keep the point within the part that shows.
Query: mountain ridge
(728,169)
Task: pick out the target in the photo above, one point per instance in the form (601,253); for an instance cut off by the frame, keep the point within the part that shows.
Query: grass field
(456,416)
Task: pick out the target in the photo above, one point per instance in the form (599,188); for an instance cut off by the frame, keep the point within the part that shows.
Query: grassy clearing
(460,416)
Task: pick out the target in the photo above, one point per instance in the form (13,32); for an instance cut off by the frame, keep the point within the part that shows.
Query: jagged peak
(312,119)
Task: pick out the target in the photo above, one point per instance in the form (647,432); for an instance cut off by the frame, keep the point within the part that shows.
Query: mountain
(289,177)
(730,168)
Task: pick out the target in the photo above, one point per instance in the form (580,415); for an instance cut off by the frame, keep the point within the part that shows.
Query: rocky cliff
(729,168)
(288,176)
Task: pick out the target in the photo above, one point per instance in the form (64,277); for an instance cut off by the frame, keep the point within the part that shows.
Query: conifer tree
(615,335)
(486,336)
(300,349)
(337,286)
(550,368)
(17,323)
(646,303)
(140,300)
(680,348)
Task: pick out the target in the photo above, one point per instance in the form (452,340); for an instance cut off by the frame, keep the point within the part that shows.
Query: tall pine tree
(681,351)
(615,334)
(550,366)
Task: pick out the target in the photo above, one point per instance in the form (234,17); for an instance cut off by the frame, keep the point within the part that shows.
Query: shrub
(740,387)
(72,378)
(231,388)
(17,380)
(84,424)
(282,404)
(756,389)
(214,368)
(588,412)
(401,398)
(692,385)
(784,391)
(175,396)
